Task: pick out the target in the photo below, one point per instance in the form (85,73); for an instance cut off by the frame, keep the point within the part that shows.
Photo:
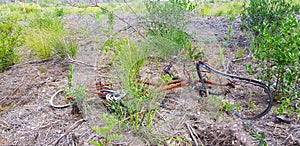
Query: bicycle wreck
(205,89)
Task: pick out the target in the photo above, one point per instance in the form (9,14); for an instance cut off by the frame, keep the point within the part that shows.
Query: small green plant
(237,106)
(140,107)
(227,106)
(240,54)
(79,101)
(251,104)
(110,42)
(106,131)
(70,75)
(77,95)
(64,47)
(285,107)
(168,21)
(205,9)
(298,110)
(130,59)
(261,137)
(229,32)
(10,39)
(59,12)
(220,59)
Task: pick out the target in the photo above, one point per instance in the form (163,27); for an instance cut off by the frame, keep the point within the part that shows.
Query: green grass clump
(45,36)
(130,59)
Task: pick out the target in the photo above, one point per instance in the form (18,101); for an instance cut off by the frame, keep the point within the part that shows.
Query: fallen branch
(29,62)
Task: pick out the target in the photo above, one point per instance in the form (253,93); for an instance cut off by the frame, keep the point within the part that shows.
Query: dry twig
(192,134)
(77,123)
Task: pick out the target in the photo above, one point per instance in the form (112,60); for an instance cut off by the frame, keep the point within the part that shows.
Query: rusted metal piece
(174,85)
(166,70)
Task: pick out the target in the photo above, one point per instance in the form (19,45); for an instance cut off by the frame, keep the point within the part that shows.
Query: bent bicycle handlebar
(252,81)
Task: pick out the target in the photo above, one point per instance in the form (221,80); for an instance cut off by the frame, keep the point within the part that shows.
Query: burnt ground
(28,119)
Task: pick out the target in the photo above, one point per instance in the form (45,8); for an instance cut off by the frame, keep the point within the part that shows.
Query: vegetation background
(74,45)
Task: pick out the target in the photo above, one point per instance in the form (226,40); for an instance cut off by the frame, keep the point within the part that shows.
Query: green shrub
(9,40)
(164,15)
(168,20)
(270,11)
(279,56)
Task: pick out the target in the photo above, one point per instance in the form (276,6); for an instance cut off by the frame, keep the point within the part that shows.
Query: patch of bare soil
(26,117)
(185,119)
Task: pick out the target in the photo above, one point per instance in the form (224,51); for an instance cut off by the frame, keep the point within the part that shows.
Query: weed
(220,59)
(70,75)
(251,104)
(214,106)
(139,108)
(59,12)
(110,42)
(227,106)
(298,111)
(261,137)
(205,9)
(79,101)
(130,59)
(285,107)
(229,32)
(64,47)
(110,123)
(240,54)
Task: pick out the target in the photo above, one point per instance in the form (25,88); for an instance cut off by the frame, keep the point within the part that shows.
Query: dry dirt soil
(25,90)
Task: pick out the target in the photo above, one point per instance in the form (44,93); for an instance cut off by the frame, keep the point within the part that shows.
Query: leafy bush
(280,58)
(271,11)
(9,40)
